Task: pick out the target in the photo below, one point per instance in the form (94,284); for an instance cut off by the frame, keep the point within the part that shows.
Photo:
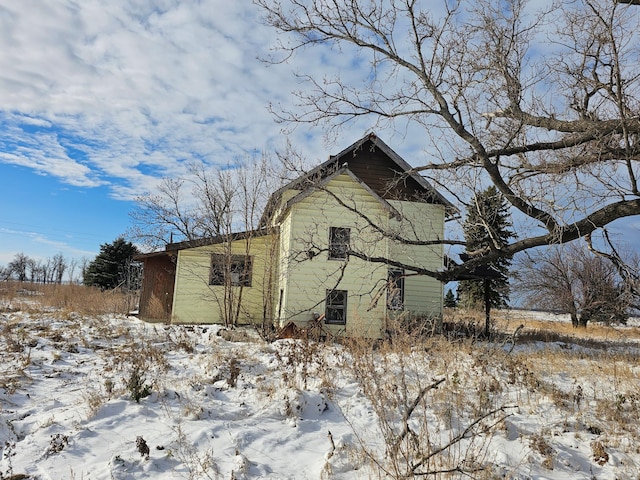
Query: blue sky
(100,100)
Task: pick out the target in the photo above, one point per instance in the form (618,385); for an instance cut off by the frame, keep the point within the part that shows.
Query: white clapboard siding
(308,276)
(195,301)
(421,221)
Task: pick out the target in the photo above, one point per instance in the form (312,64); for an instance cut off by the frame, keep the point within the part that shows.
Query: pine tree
(487,223)
(108,269)
(450,300)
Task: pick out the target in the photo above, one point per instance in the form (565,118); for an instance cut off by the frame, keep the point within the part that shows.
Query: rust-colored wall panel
(158,281)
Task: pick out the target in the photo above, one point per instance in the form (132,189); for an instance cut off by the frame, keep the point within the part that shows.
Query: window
(338,242)
(234,269)
(395,290)
(336,307)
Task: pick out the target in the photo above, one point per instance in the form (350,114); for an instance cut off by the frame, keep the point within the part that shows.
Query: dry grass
(533,327)
(75,305)
(66,298)
(590,375)
(508,320)
(437,404)
(156,310)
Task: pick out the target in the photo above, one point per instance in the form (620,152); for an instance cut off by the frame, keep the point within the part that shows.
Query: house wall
(306,228)
(195,301)
(421,221)
(156,295)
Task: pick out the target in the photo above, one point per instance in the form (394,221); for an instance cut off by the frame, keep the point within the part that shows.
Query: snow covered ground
(218,404)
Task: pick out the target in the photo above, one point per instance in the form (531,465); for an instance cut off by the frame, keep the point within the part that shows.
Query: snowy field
(227,405)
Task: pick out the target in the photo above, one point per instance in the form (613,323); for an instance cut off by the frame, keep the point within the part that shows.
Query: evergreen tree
(109,267)
(487,224)
(450,300)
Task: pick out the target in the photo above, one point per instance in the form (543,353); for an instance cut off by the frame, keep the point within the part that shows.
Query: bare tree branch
(544,105)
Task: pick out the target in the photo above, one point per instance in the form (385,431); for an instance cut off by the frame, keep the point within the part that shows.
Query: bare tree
(230,203)
(33,268)
(216,215)
(543,105)
(219,207)
(572,280)
(73,263)
(18,267)
(627,265)
(158,216)
(205,202)
(37,271)
(59,266)
(47,269)
(5,273)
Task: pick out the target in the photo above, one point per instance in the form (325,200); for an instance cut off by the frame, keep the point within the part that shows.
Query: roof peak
(388,174)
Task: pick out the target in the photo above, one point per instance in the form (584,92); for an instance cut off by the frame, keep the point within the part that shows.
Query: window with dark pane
(395,290)
(234,270)
(339,242)
(336,307)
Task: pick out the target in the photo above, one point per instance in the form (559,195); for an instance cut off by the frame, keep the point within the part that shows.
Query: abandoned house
(313,254)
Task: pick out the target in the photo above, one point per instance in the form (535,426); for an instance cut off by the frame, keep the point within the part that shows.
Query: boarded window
(339,242)
(336,307)
(395,290)
(234,270)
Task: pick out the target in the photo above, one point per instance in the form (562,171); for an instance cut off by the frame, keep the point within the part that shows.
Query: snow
(225,407)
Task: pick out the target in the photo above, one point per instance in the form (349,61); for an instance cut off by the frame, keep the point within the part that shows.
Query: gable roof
(319,185)
(374,164)
(395,171)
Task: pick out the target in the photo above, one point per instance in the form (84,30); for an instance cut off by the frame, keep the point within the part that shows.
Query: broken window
(339,242)
(234,270)
(395,290)
(336,307)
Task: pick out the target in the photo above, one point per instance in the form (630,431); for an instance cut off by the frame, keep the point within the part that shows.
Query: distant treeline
(56,269)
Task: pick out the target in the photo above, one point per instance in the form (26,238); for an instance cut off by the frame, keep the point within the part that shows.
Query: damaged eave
(160,253)
(203,242)
(404,168)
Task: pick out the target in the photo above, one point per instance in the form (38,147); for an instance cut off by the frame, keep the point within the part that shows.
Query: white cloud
(121,91)
(43,153)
